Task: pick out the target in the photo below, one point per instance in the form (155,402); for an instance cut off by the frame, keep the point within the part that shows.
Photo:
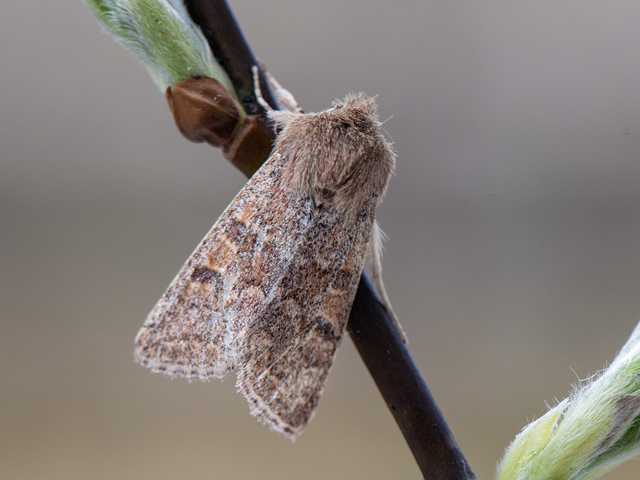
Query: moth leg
(258,91)
(280,118)
(377,236)
(283,96)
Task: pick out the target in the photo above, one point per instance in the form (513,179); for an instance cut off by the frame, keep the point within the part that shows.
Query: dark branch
(404,390)
(370,327)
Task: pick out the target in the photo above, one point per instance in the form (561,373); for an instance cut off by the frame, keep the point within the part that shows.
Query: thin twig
(403,389)
(369,326)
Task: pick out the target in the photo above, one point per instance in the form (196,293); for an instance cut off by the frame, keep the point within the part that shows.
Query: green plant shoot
(163,36)
(587,434)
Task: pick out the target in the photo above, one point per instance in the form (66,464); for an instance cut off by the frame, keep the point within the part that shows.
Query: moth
(269,289)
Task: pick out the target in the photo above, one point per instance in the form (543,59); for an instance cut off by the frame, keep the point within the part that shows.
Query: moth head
(338,156)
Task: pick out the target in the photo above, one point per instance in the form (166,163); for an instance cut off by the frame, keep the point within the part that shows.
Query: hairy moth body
(269,289)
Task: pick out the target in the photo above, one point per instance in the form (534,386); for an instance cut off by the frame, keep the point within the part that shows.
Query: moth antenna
(377,237)
(257,90)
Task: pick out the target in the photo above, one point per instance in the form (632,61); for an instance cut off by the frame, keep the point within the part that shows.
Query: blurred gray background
(513,258)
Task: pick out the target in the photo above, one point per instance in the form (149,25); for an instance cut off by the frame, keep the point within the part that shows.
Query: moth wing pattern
(292,345)
(197,328)
(270,288)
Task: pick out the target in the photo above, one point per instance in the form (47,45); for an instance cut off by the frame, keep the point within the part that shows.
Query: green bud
(588,434)
(163,36)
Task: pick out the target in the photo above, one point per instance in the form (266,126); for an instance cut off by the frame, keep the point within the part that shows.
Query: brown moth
(269,289)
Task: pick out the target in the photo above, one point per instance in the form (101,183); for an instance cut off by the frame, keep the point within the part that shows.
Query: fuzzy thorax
(338,156)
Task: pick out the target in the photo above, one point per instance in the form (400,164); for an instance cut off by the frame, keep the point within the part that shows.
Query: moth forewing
(197,327)
(270,288)
(293,343)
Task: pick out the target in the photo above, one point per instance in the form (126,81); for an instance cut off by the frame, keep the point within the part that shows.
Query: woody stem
(369,326)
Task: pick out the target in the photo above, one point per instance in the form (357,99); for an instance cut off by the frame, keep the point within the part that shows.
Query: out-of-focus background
(513,258)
